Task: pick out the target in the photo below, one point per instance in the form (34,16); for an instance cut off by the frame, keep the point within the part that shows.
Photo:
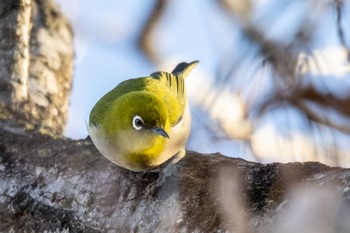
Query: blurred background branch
(339,5)
(146,36)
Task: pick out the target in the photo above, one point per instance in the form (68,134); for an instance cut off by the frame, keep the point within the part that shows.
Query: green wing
(174,83)
(175,80)
(175,97)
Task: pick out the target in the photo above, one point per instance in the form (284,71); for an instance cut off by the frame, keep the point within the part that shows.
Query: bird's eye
(137,122)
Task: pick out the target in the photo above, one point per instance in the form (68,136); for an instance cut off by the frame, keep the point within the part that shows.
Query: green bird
(144,122)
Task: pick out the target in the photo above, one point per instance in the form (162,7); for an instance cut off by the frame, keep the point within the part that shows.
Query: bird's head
(137,124)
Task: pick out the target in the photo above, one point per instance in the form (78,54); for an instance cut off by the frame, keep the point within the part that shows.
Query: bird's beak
(160,131)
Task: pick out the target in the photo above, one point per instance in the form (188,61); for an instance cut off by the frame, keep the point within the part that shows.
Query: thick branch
(59,184)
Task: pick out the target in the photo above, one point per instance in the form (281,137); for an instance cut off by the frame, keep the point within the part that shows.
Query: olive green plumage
(143,122)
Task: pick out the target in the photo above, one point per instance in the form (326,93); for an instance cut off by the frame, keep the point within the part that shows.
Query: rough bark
(15,27)
(60,184)
(36,51)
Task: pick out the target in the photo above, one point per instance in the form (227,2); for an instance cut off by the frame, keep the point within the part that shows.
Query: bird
(144,123)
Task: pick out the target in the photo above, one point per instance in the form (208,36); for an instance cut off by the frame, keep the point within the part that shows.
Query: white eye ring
(137,122)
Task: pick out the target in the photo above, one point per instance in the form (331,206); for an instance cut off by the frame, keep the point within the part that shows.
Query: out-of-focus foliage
(280,90)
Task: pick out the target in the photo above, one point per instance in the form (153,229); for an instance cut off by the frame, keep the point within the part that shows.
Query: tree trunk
(36,60)
(55,184)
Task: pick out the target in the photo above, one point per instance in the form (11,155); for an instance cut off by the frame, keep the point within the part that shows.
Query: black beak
(160,131)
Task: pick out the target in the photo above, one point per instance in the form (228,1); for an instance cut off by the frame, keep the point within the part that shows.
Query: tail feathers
(184,68)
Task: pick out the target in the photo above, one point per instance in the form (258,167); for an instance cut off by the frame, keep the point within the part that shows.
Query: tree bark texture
(60,184)
(36,51)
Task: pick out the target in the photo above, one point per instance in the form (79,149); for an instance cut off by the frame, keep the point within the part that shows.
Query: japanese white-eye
(143,122)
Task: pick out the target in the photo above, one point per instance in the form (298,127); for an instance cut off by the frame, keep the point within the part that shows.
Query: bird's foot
(164,173)
(164,170)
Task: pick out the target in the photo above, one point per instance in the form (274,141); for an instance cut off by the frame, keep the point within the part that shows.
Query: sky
(106,53)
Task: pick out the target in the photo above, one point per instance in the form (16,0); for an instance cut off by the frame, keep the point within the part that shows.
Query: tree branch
(145,39)
(56,184)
